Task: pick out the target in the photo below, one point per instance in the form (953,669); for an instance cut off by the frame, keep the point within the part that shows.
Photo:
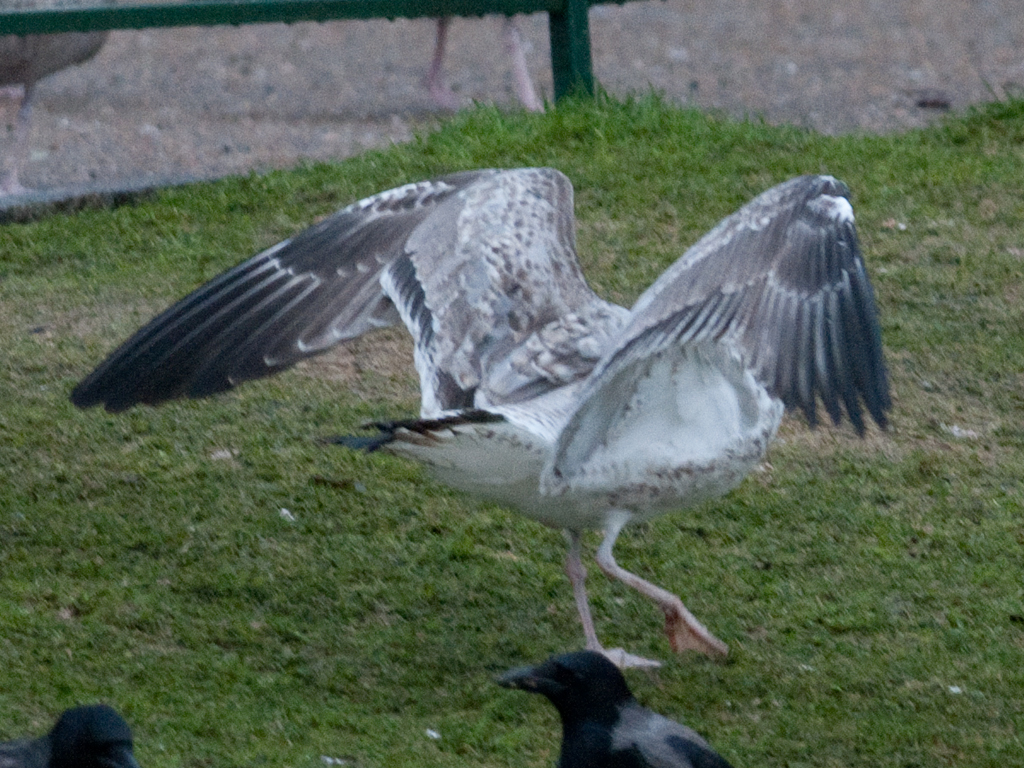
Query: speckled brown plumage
(607,416)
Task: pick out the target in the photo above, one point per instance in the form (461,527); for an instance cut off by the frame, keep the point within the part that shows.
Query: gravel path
(201,102)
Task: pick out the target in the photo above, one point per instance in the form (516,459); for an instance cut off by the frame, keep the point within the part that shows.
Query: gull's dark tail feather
(388,430)
(357,443)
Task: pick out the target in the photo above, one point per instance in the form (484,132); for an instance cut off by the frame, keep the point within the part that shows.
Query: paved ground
(211,101)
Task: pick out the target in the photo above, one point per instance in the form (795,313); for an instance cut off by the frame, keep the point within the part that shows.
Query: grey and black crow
(603,726)
(95,736)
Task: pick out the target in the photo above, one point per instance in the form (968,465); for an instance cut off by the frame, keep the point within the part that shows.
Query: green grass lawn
(872,591)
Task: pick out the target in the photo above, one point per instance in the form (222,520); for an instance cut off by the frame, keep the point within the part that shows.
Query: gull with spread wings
(537,393)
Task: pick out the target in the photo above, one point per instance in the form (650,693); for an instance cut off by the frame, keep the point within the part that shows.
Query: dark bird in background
(603,726)
(537,393)
(84,737)
(24,61)
(515,49)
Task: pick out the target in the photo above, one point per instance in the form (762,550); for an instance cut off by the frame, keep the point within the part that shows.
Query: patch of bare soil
(169,103)
(379,364)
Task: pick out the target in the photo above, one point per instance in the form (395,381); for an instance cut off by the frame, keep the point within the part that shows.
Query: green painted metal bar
(212,12)
(570,49)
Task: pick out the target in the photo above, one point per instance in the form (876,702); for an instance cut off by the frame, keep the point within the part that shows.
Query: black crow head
(583,686)
(91,737)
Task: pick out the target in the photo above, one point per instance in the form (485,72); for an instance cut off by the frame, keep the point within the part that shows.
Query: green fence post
(570,48)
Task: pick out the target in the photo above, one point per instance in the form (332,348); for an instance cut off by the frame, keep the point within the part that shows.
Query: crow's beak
(533,679)
(521,678)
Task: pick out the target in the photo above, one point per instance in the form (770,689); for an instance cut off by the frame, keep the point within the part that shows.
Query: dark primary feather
(817,295)
(603,726)
(84,737)
(785,279)
(293,300)
(425,428)
(439,250)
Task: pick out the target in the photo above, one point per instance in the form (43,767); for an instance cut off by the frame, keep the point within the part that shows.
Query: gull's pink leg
(516,50)
(683,630)
(9,184)
(577,577)
(434,79)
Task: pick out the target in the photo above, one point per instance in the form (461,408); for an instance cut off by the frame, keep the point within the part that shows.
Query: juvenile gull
(536,393)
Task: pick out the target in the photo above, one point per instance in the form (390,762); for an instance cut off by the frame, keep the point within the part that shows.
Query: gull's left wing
(776,291)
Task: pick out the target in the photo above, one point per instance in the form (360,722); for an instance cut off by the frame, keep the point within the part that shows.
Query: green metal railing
(567,21)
